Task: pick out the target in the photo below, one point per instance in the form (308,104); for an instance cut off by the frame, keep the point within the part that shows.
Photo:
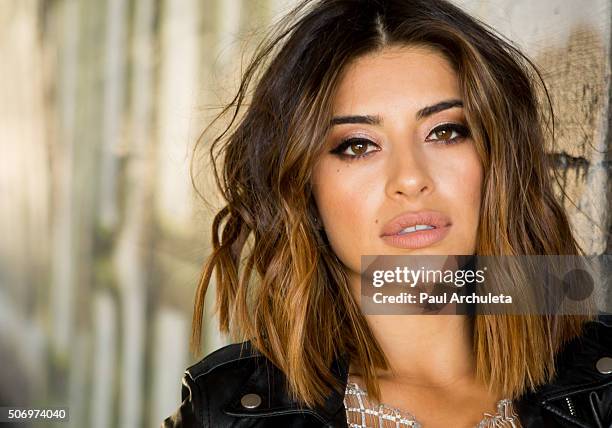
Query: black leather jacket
(237,387)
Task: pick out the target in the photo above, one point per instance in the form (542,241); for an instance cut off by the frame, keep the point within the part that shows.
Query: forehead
(406,76)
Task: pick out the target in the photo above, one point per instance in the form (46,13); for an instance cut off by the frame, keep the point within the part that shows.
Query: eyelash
(463,132)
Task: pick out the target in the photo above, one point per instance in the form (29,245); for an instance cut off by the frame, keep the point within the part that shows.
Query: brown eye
(448,133)
(443,134)
(359,147)
(354,148)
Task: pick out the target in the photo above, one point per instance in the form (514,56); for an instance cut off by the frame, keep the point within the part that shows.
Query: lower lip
(419,239)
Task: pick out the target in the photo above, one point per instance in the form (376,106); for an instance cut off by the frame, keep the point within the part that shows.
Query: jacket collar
(577,363)
(268,381)
(576,372)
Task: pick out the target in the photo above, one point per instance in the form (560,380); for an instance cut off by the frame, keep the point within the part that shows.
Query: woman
(366,115)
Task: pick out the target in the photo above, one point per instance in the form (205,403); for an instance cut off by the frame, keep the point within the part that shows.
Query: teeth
(415,228)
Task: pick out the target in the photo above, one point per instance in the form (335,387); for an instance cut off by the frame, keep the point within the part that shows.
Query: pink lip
(421,238)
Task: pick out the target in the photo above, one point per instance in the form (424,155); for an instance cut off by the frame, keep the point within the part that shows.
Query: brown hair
(287,291)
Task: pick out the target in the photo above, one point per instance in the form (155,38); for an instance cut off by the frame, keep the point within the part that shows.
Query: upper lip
(402,221)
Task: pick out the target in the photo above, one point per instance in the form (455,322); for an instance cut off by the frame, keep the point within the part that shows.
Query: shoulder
(581,392)
(214,379)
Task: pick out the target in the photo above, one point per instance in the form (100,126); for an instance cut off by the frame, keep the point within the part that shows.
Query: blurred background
(101,234)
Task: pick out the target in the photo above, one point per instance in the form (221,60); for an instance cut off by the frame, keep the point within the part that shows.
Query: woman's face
(399,154)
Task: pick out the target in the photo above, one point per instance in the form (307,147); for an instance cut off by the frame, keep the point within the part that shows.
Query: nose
(408,174)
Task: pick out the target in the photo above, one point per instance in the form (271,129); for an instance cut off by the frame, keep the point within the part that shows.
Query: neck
(426,350)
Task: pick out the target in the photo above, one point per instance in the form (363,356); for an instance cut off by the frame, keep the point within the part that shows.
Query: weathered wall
(570,42)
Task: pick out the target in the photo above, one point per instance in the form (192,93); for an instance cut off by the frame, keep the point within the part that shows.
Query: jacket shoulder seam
(235,352)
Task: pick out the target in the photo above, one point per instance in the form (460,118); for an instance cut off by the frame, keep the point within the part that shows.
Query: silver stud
(604,365)
(250,401)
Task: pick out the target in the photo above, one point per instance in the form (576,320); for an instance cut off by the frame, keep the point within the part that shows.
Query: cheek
(472,177)
(346,200)
(460,183)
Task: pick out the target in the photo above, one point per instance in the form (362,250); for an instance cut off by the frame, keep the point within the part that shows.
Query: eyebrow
(377,120)
(441,106)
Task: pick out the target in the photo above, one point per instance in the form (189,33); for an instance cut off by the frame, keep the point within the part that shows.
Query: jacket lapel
(577,374)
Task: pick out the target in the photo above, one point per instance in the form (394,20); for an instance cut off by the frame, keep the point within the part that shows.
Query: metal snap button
(250,401)
(604,365)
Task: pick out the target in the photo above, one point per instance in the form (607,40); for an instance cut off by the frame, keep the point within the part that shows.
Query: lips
(420,238)
(431,218)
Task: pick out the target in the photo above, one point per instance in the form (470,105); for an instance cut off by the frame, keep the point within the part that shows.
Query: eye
(448,133)
(355,148)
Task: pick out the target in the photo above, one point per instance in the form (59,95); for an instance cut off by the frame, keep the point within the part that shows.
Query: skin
(406,169)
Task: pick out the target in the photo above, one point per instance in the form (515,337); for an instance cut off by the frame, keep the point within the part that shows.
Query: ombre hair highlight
(278,282)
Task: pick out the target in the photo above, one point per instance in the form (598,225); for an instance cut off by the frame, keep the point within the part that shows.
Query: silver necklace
(362,413)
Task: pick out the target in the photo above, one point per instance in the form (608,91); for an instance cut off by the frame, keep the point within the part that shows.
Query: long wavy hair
(278,282)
